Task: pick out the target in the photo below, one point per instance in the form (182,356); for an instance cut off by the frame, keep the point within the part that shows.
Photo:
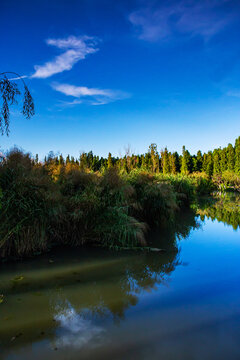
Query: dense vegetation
(108,202)
(215,162)
(222,165)
(224,209)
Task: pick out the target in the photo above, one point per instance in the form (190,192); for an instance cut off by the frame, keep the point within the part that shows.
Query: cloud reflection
(75,331)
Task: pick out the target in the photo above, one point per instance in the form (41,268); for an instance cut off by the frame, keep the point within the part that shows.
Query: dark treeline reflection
(83,285)
(224,209)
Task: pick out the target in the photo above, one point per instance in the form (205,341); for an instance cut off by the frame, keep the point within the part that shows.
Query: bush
(227,181)
(156,200)
(45,205)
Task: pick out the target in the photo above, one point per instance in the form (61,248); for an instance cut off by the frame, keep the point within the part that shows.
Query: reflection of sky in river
(75,331)
(173,305)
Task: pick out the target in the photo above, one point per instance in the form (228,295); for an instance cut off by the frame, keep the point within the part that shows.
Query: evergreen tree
(223,160)
(50,157)
(143,162)
(89,157)
(204,163)
(216,162)
(173,163)
(194,163)
(209,164)
(165,161)
(199,161)
(83,161)
(177,161)
(109,161)
(237,156)
(61,160)
(138,163)
(95,163)
(186,161)
(68,159)
(230,157)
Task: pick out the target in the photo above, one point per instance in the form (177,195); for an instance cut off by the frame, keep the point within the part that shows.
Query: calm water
(79,304)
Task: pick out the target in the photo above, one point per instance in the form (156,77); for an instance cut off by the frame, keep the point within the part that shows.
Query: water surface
(95,304)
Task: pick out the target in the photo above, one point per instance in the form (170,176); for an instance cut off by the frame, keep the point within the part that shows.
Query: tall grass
(24,209)
(42,206)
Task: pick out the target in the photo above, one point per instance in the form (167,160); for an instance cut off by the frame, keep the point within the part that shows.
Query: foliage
(52,203)
(110,201)
(9,92)
(227,181)
(24,209)
(225,209)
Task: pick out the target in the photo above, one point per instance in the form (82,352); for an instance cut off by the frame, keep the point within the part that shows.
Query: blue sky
(106,75)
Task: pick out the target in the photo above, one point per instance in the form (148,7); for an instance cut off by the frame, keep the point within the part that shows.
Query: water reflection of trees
(137,272)
(225,209)
(97,286)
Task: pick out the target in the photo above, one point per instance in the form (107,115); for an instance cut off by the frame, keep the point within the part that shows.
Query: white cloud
(78,91)
(93,96)
(76,48)
(76,332)
(234,93)
(163,21)
(19,78)
(64,104)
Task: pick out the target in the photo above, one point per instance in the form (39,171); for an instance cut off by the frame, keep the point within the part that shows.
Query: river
(96,304)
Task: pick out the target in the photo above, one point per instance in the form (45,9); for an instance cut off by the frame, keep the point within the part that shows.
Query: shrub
(24,214)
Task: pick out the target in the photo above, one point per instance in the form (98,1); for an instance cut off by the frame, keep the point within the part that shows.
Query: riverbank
(43,206)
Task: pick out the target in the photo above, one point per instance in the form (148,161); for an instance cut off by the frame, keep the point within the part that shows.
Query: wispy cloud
(93,96)
(75,49)
(18,78)
(234,93)
(161,21)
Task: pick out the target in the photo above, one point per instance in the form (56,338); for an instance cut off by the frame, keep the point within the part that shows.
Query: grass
(45,205)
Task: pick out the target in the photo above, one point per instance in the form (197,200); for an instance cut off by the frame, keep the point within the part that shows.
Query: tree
(36,159)
(216,162)
(154,157)
(165,161)
(89,159)
(83,161)
(209,164)
(199,161)
(95,163)
(68,159)
(173,163)
(61,160)
(223,161)
(237,156)
(109,161)
(230,157)
(186,161)
(9,92)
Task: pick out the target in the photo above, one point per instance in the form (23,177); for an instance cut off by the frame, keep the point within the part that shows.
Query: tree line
(213,162)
